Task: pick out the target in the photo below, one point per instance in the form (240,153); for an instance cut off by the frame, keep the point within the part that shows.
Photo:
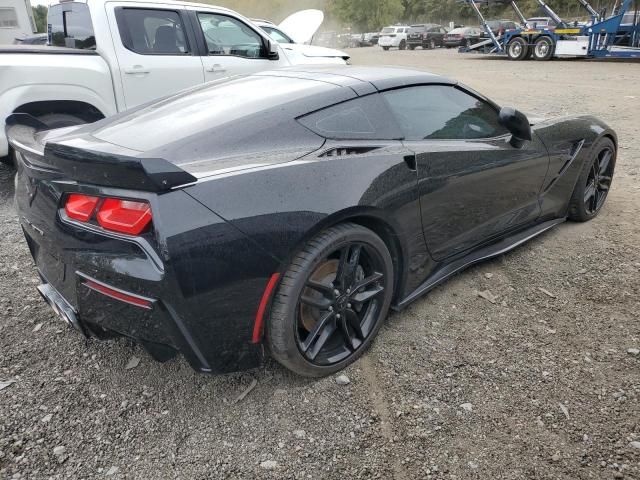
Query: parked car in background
(298,47)
(39,39)
(326,39)
(462,37)
(541,22)
(394,37)
(498,27)
(106,57)
(371,38)
(425,35)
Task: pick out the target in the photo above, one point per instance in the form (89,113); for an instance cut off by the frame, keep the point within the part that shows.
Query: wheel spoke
(367,295)
(320,287)
(321,303)
(320,334)
(348,265)
(595,200)
(349,341)
(365,282)
(603,163)
(590,191)
(354,322)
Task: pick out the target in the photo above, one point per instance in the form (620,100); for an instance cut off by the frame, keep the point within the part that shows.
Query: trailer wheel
(543,49)
(517,49)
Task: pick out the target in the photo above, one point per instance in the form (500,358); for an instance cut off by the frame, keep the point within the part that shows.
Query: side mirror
(517,123)
(272,50)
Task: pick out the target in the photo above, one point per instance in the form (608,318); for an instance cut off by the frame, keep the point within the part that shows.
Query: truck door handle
(216,67)
(136,69)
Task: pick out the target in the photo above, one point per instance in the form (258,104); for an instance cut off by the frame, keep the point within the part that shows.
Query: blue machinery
(613,36)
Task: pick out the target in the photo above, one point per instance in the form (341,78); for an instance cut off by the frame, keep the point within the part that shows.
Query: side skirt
(495,249)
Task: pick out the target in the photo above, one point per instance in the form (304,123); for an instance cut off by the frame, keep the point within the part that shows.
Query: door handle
(215,68)
(136,69)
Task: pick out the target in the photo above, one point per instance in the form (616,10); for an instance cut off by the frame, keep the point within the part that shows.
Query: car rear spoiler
(40,150)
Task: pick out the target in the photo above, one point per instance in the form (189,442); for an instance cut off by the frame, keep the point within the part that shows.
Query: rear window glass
(364,118)
(70,26)
(417,29)
(388,30)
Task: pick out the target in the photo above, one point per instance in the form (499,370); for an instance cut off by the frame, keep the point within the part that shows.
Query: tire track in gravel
(377,395)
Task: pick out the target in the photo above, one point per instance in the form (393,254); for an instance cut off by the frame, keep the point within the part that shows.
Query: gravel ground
(542,384)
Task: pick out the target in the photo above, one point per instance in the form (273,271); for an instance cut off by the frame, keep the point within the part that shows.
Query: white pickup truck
(106,56)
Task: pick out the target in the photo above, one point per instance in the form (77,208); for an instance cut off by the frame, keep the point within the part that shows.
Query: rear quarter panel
(282,206)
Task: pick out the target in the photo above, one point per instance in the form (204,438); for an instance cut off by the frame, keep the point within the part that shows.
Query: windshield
(277,35)
(69,25)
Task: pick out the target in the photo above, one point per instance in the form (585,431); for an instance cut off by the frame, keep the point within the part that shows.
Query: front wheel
(402,45)
(543,49)
(594,182)
(331,301)
(517,49)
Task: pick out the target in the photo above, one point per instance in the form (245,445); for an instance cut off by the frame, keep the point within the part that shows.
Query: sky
(39,2)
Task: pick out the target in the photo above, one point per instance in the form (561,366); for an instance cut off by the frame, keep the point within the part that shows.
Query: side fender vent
(344,151)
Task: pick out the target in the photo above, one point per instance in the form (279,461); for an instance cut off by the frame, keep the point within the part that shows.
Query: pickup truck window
(228,36)
(152,31)
(70,26)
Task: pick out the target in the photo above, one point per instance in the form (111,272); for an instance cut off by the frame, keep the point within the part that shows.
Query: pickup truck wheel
(60,120)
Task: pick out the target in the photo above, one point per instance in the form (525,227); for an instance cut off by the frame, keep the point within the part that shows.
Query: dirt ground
(539,385)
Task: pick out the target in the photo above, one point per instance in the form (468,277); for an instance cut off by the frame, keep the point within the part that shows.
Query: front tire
(594,182)
(517,49)
(331,301)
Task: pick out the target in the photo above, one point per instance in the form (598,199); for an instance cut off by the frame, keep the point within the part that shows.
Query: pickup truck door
(156,51)
(230,45)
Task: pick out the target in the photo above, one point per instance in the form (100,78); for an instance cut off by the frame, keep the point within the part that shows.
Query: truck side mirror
(273,53)
(517,123)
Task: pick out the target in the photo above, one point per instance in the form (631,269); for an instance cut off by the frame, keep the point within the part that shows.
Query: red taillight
(80,207)
(125,216)
(115,214)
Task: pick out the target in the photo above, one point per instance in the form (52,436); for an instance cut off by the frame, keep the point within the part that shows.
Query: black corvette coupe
(290,209)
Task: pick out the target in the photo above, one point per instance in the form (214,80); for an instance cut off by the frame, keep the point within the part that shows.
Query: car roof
(362,80)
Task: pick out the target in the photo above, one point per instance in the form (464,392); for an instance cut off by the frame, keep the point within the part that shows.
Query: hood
(313,51)
(301,26)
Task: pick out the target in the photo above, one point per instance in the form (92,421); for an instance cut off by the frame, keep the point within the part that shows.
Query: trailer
(602,37)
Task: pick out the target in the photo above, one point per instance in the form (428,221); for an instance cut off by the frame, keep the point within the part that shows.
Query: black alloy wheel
(594,182)
(331,301)
(402,45)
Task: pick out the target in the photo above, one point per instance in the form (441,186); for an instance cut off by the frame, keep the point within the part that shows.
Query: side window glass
(442,112)
(363,118)
(228,36)
(152,32)
(69,25)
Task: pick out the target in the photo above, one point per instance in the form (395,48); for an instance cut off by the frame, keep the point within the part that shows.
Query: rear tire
(402,45)
(321,321)
(517,49)
(543,49)
(60,120)
(594,182)
(385,48)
